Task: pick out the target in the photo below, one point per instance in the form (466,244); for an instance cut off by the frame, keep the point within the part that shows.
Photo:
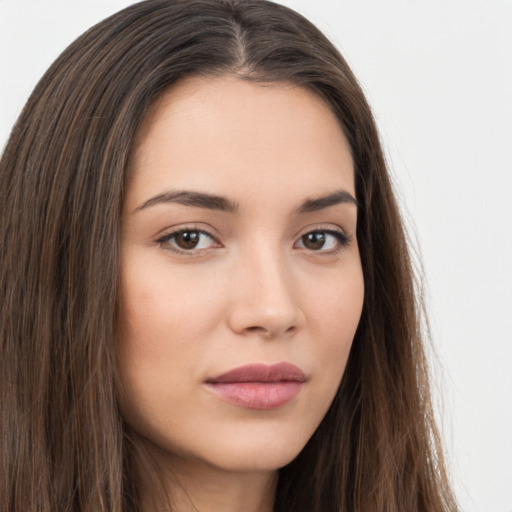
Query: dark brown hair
(64,446)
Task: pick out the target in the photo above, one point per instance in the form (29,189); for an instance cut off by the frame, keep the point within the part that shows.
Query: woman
(208,301)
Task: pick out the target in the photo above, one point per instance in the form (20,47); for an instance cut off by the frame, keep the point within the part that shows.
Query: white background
(438,75)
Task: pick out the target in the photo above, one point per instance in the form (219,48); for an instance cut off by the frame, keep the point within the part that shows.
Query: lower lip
(256,395)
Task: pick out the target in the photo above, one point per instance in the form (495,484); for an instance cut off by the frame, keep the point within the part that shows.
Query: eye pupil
(314,241)
(187,239)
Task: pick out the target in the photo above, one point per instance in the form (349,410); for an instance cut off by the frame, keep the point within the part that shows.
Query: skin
(254,289)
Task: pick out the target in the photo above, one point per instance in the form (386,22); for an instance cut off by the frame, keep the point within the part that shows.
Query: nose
(266,300)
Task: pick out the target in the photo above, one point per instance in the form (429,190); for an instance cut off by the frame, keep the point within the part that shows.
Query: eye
(188,240)
(323,241)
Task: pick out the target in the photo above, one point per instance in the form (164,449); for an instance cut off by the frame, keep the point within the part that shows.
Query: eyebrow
(214,202)
(338,197)
(189,198)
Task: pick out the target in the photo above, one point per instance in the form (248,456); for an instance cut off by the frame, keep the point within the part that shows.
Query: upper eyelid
(176,230)
(334,228)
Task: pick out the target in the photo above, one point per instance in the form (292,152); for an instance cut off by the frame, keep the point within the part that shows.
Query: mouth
(258,386)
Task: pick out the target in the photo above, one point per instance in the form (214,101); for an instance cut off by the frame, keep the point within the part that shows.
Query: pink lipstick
(259,386)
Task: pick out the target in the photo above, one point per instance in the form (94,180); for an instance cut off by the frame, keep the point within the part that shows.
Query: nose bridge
(265,299)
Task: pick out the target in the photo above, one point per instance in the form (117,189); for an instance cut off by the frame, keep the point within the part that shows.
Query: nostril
(268,331)
(255,328)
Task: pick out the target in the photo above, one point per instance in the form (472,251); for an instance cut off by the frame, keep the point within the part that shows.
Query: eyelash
(342,240)
(166,241)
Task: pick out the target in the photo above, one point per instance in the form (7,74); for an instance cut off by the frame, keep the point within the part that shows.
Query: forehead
(228,135)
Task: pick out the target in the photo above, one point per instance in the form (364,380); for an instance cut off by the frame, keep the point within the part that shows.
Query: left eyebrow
(338,197)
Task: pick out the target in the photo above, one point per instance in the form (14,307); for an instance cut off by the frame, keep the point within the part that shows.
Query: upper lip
(280,372)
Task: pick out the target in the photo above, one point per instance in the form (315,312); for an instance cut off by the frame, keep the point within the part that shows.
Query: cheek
(164,310)
(161,326)
(335,311)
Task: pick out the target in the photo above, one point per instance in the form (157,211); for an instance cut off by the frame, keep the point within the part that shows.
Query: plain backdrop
(438,75)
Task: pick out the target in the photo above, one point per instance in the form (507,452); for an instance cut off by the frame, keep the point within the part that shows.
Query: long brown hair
(64,446)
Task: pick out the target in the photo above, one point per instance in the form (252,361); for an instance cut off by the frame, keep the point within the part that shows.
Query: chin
(261,452)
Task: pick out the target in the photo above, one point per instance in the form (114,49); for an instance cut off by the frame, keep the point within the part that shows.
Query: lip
(258,386)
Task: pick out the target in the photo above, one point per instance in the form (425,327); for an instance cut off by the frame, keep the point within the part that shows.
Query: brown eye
(324,241)
(314,241)
(187,239)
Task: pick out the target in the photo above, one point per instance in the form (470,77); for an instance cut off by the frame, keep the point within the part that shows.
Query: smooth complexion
(239,248)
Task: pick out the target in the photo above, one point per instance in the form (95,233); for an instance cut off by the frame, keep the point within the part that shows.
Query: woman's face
(241,280)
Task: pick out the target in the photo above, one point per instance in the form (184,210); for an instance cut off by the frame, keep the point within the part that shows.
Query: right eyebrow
(190,198)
